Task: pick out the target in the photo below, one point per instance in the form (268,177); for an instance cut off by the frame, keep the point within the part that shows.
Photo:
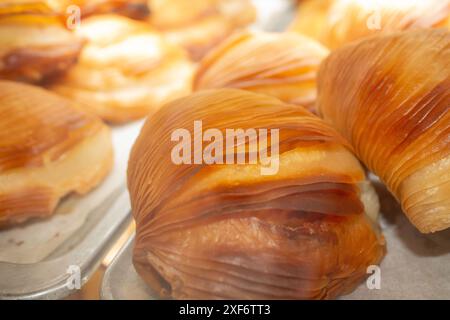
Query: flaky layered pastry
(125,70)
(281,65)
(337,22)
(226,230)
(136,9)
(48,149)
(34,42)
(199,25)
(390,97)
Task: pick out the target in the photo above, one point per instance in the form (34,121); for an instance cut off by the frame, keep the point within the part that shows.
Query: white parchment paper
(416,266)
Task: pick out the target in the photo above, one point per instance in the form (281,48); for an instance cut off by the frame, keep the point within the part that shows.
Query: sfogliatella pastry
(48,149)
(199,25)
(136,9)
(284,221)
(281,65)
(390,97)
(34,42)
(349,20)
(126,69)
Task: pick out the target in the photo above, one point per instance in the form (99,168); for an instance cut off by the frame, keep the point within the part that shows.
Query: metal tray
(417,266)
(50,279)
(121,282)
(57,274)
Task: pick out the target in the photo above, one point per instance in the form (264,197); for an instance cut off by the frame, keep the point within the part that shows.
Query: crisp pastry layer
(126,69)
(337,22)
(389,96)
(34,42)
(227,231)
(280,65)
(49,148)
(199,25)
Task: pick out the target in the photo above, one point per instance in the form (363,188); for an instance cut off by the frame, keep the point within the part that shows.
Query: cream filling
(369,198)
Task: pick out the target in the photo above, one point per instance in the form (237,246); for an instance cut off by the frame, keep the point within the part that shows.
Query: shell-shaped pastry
(212,230)
(126,69)
(282,65)
(34,42)
(199,25)
(48,149)
(390,97)
(136,9)
(349,20)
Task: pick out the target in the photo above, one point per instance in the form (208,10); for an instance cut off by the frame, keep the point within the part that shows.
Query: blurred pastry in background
(49,148)
(199,25)
(34,42)
(283,65)
(126,69)
(390,97)
(176,13)
(344,21)
(206,230)
(136,9)
(311,17)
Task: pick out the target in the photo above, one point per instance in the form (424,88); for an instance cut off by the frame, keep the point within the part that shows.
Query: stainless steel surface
(121,282)
(48,279)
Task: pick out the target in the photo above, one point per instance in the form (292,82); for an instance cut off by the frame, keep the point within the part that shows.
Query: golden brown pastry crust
(199,25)
(48,148)
(389,96)
(280,65)
(34,43)
(226,231)
(126,69)
(337,22)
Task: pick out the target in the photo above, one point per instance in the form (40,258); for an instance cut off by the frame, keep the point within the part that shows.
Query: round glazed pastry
(280,65)
(126,69)
(349,20)
(199,25)
(34,42)
(389,96)
(219,228)
(48,149)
